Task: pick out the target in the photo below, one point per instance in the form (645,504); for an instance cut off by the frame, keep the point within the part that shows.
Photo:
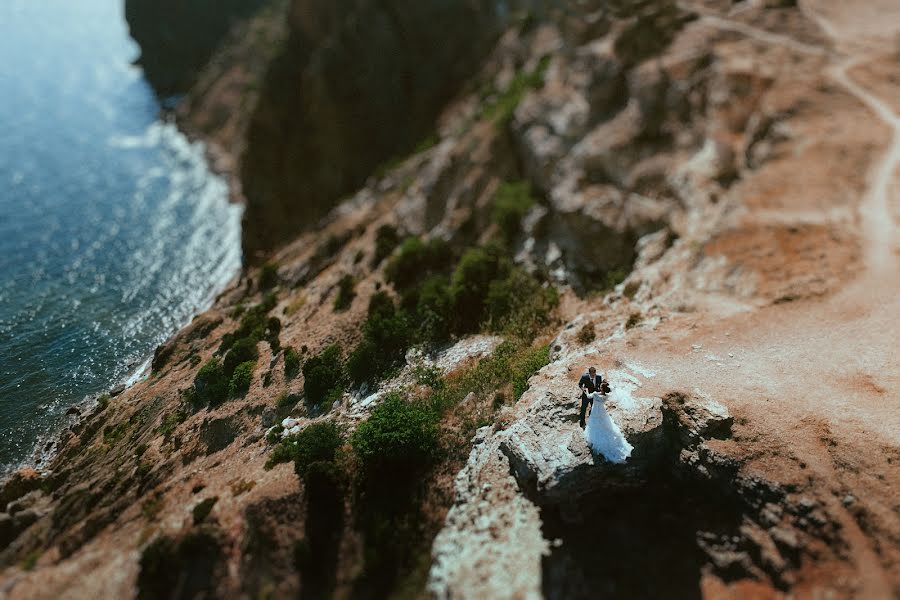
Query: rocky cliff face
(358,83)
(178,37)
(716,206)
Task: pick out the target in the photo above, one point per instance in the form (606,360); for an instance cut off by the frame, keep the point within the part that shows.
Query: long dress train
(602,433)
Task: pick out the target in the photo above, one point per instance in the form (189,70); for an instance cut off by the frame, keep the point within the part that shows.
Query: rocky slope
(718,209)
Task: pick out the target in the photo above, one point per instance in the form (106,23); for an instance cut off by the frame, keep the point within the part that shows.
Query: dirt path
(817,382)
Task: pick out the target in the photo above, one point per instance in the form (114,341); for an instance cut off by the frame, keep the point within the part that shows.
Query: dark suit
(592,385)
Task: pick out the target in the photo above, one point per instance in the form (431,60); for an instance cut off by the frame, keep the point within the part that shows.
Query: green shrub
(274,434)
(170,422)
(511,203)
(291,362)
(323,375)
(241,378)
(256,325)
(103,402)
(318,442)
(268,276)
(345,294)
(399,438)
(242,351)
(386,239)
(211,383)
(434,310)
(416,260)
(203,508)
(386,337)
(286,400)
(470,283)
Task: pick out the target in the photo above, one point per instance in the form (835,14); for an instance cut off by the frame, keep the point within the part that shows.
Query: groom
(589,383)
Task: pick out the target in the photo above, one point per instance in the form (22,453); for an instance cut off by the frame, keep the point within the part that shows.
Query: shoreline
(45,447)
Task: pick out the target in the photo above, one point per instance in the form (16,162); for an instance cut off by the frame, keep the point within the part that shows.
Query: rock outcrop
(178,37)
(358,83)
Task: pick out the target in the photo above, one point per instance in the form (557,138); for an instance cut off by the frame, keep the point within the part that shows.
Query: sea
(113,230)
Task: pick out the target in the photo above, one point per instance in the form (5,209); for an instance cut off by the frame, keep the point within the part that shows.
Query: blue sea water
(113,231)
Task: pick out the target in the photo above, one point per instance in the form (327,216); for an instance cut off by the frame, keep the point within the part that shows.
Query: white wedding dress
(603,435)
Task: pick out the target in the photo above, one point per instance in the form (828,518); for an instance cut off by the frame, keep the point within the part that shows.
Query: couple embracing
(600,431)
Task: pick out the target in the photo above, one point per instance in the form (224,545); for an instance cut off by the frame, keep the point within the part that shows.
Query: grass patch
(170,422)
(295,305)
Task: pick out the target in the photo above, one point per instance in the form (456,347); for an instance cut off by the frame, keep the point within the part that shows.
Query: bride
(601,432)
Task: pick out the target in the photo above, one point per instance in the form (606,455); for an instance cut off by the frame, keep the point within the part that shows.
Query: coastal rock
(177,37)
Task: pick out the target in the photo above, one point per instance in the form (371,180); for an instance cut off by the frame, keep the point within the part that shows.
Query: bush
(211,383)
(241,378)
(634,319)
(386,337)
(416,260)
(268,276)
(291,362)
(399,438)
(242,351)
(345,293)
(317,443)
(203,508)
(511,202)
(470,283)
(386,239)
(255,325)
(586,334)
(434,310)
(323,375)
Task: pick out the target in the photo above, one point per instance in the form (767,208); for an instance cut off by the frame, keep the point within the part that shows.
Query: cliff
(178,37)
(358,83)
(699,200)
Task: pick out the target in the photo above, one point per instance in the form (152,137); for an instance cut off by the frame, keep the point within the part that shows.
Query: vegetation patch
(501,105)
(398,439)
(291,362)
(268,276)
(323,376)
(210,384)
(345,293)
(587,334)
(512,202)
(241,379)
(203,508)
(386,337)
(386,240)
